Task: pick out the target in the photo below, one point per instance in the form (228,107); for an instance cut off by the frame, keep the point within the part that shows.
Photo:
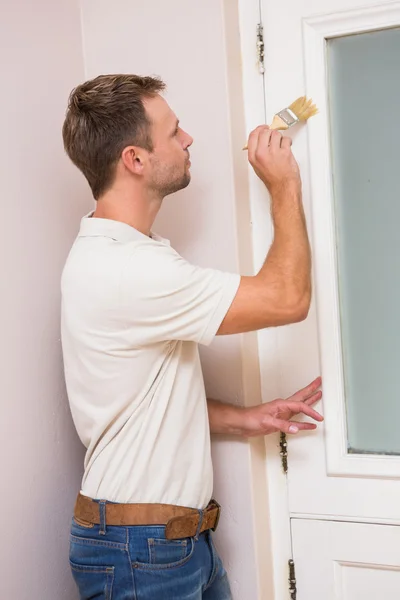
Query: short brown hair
(105,115)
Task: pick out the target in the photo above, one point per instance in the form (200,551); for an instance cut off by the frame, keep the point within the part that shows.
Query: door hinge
(292,581)
(260,48)
(284,452)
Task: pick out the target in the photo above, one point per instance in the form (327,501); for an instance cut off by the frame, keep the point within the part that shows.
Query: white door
(344,479)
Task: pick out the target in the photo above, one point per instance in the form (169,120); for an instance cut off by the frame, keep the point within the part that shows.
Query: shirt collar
(116,230)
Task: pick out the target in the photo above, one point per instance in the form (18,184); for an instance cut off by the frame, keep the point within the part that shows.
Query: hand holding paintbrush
(300,110)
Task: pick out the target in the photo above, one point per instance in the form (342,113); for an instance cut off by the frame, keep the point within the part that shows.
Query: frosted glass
(364,93)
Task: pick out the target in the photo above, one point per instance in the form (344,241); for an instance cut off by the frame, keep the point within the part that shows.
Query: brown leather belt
(180,522)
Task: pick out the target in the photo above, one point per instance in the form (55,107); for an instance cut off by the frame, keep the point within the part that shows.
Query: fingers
(314,398)
(253,138)
(286,142)
(252,142)
(308,391)
(304,426)
(292,427)
(302,407)
(264,141)
(279,141)
(276,139)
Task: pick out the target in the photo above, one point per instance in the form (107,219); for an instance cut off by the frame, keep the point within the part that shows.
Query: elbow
(297,307)
(300,314)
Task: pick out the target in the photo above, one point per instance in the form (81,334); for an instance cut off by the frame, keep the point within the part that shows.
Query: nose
(188,141)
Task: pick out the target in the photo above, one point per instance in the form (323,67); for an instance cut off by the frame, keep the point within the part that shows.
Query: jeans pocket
(93,581)
(217,568)
(167,554)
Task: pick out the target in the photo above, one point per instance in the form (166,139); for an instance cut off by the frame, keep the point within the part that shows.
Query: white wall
(42,198)
(184,42)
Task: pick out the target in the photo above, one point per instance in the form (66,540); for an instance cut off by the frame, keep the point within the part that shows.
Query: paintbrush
(300,110)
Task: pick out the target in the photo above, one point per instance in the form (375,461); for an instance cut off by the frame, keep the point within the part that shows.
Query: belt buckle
(218,507)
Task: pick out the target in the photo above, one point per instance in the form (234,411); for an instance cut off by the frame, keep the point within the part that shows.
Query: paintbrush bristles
(303,108)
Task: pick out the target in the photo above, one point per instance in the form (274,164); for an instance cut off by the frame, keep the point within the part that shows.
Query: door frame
(316,31)
(277,506)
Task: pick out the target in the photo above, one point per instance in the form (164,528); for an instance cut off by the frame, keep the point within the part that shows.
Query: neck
(133,207)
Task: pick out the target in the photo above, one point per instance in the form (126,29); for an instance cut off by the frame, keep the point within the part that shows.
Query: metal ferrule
(288,117)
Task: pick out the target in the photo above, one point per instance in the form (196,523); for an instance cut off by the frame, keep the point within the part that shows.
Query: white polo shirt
(133,314)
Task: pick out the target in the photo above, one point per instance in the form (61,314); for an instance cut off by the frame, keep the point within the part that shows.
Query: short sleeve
(164,297)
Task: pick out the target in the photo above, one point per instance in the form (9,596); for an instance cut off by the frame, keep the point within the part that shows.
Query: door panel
(346,561)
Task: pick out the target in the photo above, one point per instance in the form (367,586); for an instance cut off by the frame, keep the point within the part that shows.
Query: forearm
(225,418)
(287,268)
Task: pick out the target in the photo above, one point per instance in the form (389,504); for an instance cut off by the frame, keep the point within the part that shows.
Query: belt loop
(103,523)
(201,516)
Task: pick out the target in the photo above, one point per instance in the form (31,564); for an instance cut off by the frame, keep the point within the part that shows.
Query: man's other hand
(277,415)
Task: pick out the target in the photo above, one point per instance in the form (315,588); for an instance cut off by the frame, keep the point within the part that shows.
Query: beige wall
(42,200)
(44,197)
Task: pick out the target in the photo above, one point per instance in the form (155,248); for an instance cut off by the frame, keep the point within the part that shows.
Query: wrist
(234,419)
(286,205)
(226,419)
(287,188)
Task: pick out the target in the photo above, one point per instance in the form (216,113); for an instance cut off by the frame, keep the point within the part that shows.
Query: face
(169,162)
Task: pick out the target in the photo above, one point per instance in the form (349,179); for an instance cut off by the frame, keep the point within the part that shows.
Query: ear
(133,159)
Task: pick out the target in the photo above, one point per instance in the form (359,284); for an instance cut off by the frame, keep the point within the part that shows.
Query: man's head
(119,127)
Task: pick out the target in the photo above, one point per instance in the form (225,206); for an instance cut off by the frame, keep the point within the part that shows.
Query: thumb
(285,426)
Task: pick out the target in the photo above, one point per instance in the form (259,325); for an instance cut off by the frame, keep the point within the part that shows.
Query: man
(133,314)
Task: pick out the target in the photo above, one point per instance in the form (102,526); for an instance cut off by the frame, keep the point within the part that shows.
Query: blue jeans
(139,563)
